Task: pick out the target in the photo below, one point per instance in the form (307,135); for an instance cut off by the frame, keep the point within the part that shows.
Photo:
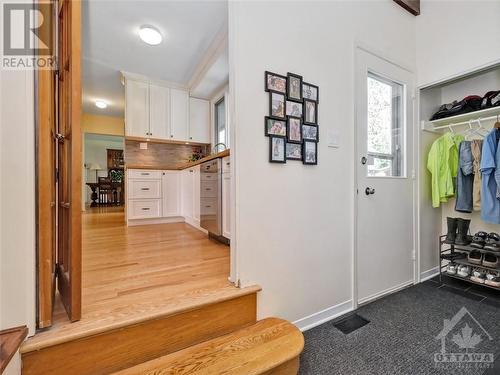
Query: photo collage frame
(292,124)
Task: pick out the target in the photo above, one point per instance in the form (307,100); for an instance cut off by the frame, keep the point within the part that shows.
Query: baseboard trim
(429,274)
(161,220)
(385,292)
(323,316)
(195,223)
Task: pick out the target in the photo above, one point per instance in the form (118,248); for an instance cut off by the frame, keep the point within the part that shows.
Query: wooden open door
(69,249)
(59,154)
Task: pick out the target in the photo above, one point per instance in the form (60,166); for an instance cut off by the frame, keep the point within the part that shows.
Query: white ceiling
(111,44)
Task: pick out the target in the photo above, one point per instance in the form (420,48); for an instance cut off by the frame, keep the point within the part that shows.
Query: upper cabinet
(136,108)
(199,117)
(159,112)
(179,119)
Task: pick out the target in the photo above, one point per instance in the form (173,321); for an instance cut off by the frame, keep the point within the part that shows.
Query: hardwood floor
(131,274)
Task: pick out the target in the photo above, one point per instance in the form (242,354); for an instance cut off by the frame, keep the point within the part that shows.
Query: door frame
(360,46)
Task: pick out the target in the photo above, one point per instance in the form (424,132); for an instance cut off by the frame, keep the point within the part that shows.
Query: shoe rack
(447,250)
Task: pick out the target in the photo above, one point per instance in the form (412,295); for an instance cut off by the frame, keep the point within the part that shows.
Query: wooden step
(270,346)
(114,347)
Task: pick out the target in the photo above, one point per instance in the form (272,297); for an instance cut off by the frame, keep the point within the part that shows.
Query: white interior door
(384,116)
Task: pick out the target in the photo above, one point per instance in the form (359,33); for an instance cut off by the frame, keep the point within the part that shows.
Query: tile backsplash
(161,154)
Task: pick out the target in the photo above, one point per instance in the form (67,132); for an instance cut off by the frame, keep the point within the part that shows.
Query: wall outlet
(143,145)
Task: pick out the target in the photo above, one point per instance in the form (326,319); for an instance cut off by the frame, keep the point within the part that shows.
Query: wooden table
(93,186)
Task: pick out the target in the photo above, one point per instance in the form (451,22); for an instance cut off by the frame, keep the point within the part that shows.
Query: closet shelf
(460,120)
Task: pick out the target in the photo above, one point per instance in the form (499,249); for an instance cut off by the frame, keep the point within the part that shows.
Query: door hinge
(57,174)
(60,137)
(413,255)
(57,270)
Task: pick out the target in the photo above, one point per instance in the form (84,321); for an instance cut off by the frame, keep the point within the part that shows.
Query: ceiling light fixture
(101,104)
(150,35)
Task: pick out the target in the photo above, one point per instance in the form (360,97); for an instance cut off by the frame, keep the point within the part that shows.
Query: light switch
(143,145)
(333,138)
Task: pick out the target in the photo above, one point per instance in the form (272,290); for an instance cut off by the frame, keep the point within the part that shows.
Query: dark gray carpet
(400,338)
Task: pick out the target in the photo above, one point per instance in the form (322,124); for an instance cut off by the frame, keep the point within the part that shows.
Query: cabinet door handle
(145,208)
(190,137)
(208,206)
(144,174)
(144,188)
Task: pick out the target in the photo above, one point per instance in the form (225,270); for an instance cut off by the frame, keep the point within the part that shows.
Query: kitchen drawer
(209,206)
(226,164)
(141,189)
(144,209)
(209,176)
(208,189)
(144,174)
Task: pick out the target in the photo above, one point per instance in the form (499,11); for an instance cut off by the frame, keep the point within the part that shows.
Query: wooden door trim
(45,183)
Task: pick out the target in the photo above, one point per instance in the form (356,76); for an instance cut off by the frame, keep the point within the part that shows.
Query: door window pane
(385,131)
(220,123)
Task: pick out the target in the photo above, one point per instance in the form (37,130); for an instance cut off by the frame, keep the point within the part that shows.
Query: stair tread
(89,327)
(256,349)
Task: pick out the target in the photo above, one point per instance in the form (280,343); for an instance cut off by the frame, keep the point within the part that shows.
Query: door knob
(369,191)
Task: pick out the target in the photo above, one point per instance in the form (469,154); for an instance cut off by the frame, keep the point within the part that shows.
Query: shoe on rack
(492,242)
(451,269)
(492,279)
(462,238)
(463,271)
(475,257)
(451,235)
(478,275)
(490,260)
(454,255)
(479,239)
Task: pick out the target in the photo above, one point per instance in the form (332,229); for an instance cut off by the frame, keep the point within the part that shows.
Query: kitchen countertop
(180,166)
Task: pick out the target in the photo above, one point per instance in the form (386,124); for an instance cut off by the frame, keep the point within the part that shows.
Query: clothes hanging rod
(465,122)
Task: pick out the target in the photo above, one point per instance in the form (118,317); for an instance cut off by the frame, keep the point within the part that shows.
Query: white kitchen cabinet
(136,108)
(199,120)
(226,198)
(187,193)
(171,194)
(159,112)
(196,194)
(179,115)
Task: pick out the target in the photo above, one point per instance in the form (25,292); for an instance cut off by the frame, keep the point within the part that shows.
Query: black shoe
(475,257)
(492,242)
(463,228)
(477,242)
(452,230)
(490,260)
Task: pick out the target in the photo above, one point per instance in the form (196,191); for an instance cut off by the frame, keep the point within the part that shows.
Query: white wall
(456,36)
(17,200)
(295,223)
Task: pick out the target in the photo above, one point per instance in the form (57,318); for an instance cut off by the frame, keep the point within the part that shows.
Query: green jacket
(442,162)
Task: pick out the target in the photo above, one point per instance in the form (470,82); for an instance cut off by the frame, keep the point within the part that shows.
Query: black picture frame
(299,105)
(304,112)
(287,145)
(288,120)
(266,82)
(304,133)
(271,159)
(266,126)
(310,85)
(304,150)
(290,78)
(271,114)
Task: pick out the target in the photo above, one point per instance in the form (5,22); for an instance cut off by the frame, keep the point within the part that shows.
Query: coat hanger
(497,124)
(482,128)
